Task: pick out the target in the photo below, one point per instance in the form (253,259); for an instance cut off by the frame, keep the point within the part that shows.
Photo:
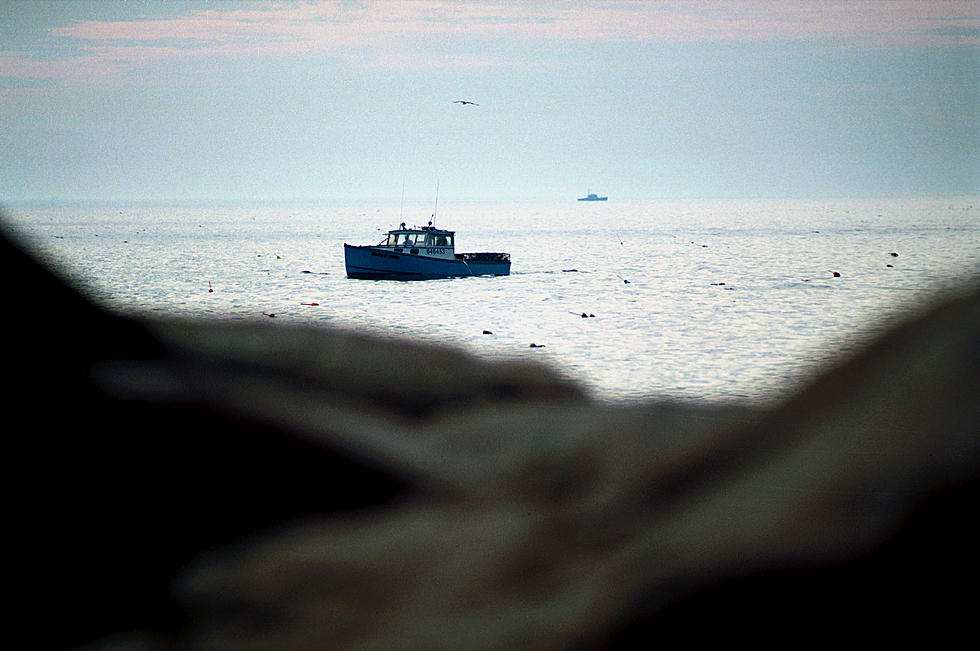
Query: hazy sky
(342,100)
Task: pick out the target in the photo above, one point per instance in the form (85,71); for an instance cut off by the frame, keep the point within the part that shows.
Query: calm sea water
(724,299)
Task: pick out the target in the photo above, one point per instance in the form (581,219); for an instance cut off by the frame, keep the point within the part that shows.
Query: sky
(206,100)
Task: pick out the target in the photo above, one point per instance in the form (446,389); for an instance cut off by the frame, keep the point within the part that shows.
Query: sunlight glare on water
(724,299)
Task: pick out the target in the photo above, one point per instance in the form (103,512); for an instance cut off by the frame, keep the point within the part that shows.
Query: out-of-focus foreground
(245,486)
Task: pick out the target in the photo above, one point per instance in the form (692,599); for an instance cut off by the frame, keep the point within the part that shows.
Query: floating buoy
(836,274)
(209,287)
(271,315)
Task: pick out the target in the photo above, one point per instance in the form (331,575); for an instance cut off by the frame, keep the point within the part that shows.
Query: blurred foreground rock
(210,485)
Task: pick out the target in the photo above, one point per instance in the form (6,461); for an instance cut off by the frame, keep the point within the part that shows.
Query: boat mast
(436,207)
(401,209)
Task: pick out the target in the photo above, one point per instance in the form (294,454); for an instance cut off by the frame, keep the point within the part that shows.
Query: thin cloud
(388,33)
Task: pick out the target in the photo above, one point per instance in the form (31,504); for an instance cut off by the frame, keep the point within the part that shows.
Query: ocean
(712,300)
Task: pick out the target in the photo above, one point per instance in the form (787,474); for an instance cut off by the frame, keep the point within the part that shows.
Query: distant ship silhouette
(591,196)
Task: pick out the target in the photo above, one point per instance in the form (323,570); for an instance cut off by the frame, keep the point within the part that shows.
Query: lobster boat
(420,253)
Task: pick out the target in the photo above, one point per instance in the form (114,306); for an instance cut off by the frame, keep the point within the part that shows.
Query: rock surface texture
(218,485)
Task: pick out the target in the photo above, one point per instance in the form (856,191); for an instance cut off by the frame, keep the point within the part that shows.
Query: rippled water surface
(724,299)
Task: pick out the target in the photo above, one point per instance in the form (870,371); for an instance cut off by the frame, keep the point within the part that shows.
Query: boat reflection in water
(420,254)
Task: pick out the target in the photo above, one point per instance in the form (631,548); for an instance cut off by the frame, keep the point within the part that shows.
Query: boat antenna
(401,209)
(436,207)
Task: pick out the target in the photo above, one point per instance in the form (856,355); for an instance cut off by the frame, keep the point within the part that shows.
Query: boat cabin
(427,240)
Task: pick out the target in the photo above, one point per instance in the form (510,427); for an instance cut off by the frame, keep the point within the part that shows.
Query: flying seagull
(463,101)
